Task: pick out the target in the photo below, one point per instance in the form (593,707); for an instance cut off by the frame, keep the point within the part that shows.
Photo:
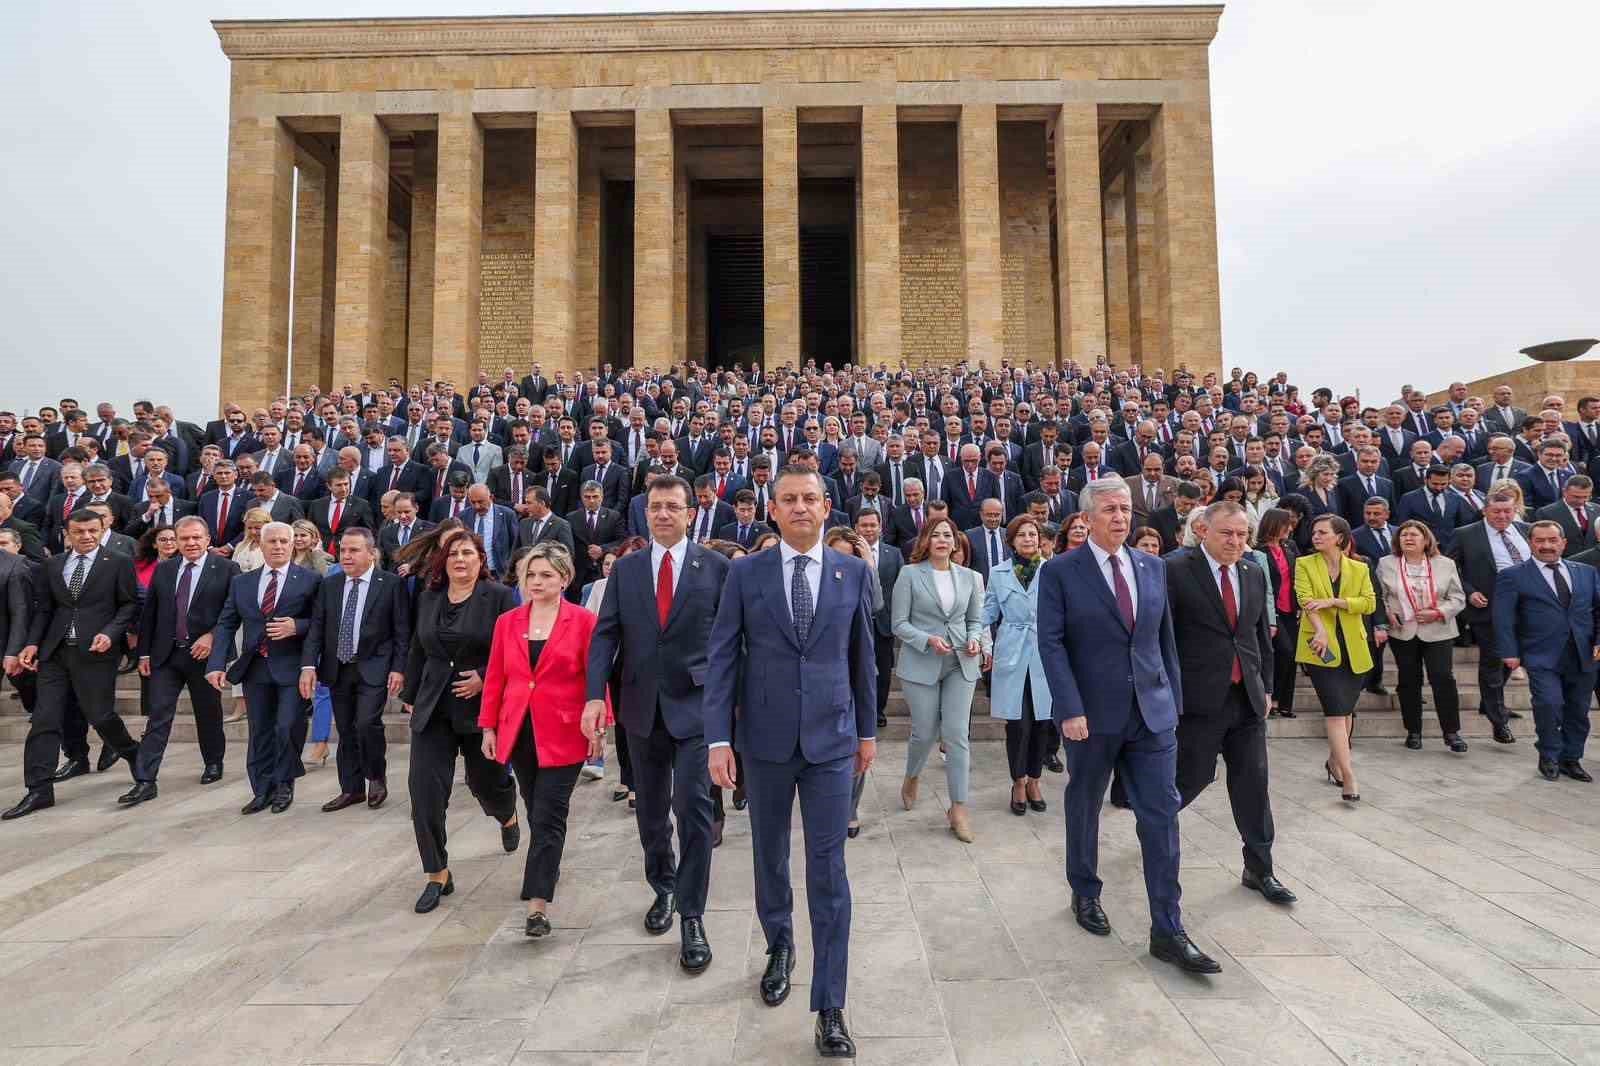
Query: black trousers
(168,681)
(358,712)
(73,673)
(433,773)
(883,651)
(1375,677)
(670,775)
(1285,671)
(74,730)
(1239,735)
(1491,673)
(547,794)
(619,738)
(1027,738)
(26,684)
(277,729)
(1438,657)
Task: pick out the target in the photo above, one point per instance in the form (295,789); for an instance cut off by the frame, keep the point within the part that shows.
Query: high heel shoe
(1332,780)
(1350,797)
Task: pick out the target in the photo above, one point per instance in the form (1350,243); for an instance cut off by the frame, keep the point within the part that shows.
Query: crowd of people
(722,575)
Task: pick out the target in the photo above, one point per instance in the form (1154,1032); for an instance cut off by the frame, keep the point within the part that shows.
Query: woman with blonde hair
(1336,594)
(247,553)
(308,547)
(1422,592)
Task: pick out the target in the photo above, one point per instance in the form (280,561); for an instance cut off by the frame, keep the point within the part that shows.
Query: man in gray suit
(479,452)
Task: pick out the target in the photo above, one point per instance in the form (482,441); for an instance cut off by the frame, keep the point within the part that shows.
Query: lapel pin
(838,575)
(694,564)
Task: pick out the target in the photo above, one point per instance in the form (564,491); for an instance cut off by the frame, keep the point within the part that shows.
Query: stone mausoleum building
(419,198)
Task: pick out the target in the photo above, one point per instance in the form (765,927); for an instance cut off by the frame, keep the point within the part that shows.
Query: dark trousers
(277,722)
(358,712)
(1375,677)
(1285,671)
(74,731)
(1411,657)
(717,812)
(1491,673)
(433,772)
(73,673)
(26,684)
(824,790)
(168,681)
(1148,764)
(547,794)
(883,651)
(670,775)
(1027,738)
(1239,735)
(620,739)
(1561,704)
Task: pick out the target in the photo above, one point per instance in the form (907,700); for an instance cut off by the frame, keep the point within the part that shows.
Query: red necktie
(972,487)
(269,603)
(722,486)
(664,590)
(222,516)
(1230,607)
(338,513)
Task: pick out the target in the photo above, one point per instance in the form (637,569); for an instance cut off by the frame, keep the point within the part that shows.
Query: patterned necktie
(1511,548)
(800,599)
(269,603)
(347,622)
(1124,594)
(79,572)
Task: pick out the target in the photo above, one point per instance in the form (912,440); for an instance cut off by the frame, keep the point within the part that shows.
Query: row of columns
(448,223)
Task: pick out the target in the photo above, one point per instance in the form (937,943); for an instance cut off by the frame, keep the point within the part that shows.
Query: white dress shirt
(678,551)
(813,573)
(1102,559)
(1550,578)
(1497,547)
(359,586)
(261,583)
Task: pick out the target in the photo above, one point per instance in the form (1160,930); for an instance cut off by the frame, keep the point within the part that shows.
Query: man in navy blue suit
(1435,506)
(795,630)
(1111,658)
(1546,616)
(273,606)
(654,620)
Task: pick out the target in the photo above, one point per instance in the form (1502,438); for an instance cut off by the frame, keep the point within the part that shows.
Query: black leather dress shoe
(432,892)
(1376,690)
(282,799)
(1180,951)
(1502,735)
(511,837)
(1090,916)
(740,800)
(1574,769)
(1414,741)
(1268,886)
(658,919)
(141,791)
(257,804)
(37,799)
(833,1039)
(775,982)
(537,926)
(1454,742)
(68,770)
(108,758)
(211,774)
(1054,765)
(696,952)
(1548,769)
(1038,805)
(343,800)
(1513,714)
(883,720)
(377,794)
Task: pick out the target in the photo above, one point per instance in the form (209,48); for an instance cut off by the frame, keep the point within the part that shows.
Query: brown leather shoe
(377,792)
(343,800)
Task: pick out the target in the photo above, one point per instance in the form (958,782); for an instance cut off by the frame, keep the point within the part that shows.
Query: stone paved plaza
(1452,917)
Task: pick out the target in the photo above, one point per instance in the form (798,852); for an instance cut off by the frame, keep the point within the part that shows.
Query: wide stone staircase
(1378,716)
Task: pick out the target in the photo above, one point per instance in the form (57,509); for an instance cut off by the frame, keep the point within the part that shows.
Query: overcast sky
(1406,190)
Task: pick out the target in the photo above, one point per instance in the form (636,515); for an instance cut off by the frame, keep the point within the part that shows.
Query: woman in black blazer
(1275,541)
(456,612)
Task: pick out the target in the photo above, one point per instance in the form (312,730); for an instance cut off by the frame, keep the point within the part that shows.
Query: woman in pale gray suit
(937,610)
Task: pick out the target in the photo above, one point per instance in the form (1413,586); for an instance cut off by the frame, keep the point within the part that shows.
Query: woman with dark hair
(1019,694)
(1145,539)
(1299,509)
(1335,593)
(450,644)
(1423,594)
(1074,532)
(766,540)
(1231,489)
(1276,545)
(154,548)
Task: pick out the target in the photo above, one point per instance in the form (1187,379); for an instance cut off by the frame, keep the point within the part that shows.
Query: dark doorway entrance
(827,294)
(733,299)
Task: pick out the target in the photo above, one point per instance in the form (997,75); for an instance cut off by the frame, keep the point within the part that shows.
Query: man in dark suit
(744,529)
(453,503)
(595,529)
(1111,659)
(610,476)
(1546,617)
(1169,520)
(968,486)
(403,526)
(1363,484)
(301,478)
(280,505)
(887,562)
(401,474)
(905,525)
(272,608)
(495,523)
(181,609)
(1412,474)
(1542,484)
(1435,506)
(17,589)
(88,599)
(1393,439)
(39,475)
(1482,550)
(339,510)
(542,523)
(1091,469)
(805,629)
(224,507)
(1218,600)
(1502,464)
(654,619)
(710,514)
(509,482)
(988,539)
(160,509)
(1575,514)
(357,645)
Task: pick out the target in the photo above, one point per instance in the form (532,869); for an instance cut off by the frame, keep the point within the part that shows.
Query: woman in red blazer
(532,705)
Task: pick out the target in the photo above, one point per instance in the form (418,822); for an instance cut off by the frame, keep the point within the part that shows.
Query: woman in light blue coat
(937,612)
(1018,693)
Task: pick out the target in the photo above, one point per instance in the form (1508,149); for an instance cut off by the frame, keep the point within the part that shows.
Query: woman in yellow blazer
(1335,594)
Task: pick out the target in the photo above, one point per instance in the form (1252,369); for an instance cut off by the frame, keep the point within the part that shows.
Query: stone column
(879,225)
(255,275)
(1114,222)
(363,270)
(1081,253)
(978,165)
(458,241)
(315,257)
(780,237)
(654,186)
(587,257)
(555,233)
(424,200)
(1188,304)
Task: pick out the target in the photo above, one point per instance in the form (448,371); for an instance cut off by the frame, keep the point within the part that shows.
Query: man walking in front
(1106,639)
(792,645)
